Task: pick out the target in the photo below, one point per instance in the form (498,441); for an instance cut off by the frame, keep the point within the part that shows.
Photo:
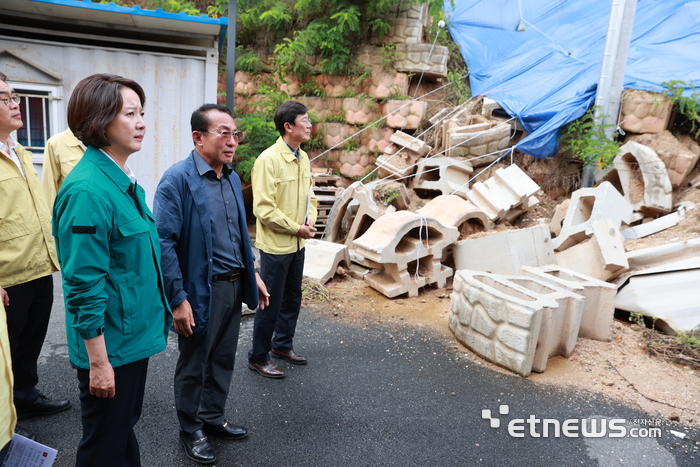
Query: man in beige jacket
(27,260)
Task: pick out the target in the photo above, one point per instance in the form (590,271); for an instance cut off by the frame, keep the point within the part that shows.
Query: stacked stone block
(406,249)
(497,319)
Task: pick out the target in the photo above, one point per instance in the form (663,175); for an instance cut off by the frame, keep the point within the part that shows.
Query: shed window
(36,115)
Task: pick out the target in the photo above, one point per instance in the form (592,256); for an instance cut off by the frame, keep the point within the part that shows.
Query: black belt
(231,276)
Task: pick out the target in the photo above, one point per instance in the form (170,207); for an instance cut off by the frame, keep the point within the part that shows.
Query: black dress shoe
(226,430)
(267,369)
(290,356)
(197,447)
(41,406)
(25,433)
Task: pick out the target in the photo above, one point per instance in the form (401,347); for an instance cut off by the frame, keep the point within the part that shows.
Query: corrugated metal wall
(174,86)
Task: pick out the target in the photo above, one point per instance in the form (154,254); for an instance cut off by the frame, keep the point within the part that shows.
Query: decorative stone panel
(422,58)
(676,156)
(645,112)
(404,114)
(376,139)
(360,111)
(481,143)
(383,85)
(497,319)
(644,179)
(334,133)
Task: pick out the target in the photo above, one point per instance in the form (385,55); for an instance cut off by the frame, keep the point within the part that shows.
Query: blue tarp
(547,75)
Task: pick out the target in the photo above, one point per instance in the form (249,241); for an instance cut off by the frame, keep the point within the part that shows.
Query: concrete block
(588,205)
(384,85)
(407,248)
(505,252)
(404,114)
(398,166)
(560,326)
(441,175)
(555,224)
(365,213)
(602,256)
(454,211)
(676,156)
(504,191)
(488,106)
(321,259)
(411,143)
(497,319)
(480,143)
(644,179)
(644,112)
(599,298)
(422,58)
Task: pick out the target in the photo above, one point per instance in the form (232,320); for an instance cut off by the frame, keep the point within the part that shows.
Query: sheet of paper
(24,452)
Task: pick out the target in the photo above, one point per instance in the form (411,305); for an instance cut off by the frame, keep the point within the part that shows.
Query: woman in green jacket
(117,314)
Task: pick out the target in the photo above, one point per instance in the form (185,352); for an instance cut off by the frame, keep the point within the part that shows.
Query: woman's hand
(102,383)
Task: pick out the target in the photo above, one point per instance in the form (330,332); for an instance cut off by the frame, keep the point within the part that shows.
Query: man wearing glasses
(284,205)
(208,269)
(27,260)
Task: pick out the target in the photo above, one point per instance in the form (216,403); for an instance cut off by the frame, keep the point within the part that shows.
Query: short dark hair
(199,120)
(95,103)
(288,113)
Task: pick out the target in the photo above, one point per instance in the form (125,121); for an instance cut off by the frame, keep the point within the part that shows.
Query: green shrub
(582,139)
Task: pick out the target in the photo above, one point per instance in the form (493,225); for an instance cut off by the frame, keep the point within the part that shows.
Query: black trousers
(27,321)
(108,424)
(205,365)
(274,327)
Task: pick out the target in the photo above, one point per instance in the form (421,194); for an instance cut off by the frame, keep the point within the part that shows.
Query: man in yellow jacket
(27,260)
(61,153)
(284,205)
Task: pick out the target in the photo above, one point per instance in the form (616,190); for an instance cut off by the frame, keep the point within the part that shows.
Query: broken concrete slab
(398,166)
(410,143)
(588,205)
(507,189)
(560,326)
(657,225)
(599,298)
(365,213)
(676,156)
(497,319)
(663,254)
(555,224)
(644,179)
(667,293)
(322,259)
(601,256)
(505,252)
(441,176)
(407,248)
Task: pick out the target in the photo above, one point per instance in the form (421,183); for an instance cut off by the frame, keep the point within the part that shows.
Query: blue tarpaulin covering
(547,75)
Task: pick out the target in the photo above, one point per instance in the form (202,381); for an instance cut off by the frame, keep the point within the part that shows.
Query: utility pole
(231,55)
(612,72)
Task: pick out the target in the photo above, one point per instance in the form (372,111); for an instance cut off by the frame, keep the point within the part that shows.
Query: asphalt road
(387,394)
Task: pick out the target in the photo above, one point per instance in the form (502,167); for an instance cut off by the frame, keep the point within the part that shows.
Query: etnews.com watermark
(536,427)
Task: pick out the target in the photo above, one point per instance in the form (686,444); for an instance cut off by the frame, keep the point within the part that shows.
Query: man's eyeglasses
(225,135)
(304,121)
(6,100)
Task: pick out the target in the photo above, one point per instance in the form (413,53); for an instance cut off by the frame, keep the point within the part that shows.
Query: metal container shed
(48,46)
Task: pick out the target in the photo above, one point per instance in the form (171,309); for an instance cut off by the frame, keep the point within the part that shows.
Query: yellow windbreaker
(27,251)
(281,188)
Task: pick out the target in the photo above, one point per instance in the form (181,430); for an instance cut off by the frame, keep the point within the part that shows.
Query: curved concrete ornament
(644,179)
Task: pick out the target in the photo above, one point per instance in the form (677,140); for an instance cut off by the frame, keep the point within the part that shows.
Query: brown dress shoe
(267,369)
(291,357)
